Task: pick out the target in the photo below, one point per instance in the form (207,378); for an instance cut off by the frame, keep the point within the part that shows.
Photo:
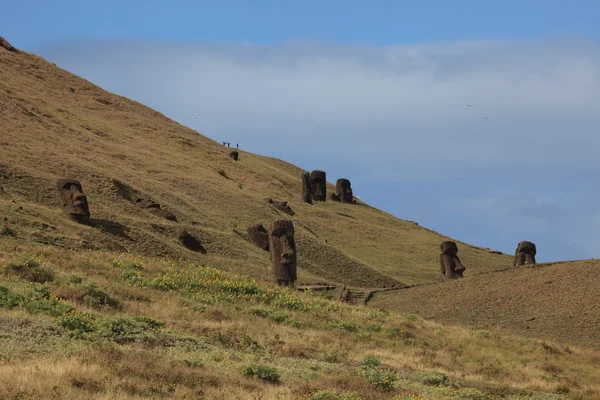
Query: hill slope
(55,125)
(559,301)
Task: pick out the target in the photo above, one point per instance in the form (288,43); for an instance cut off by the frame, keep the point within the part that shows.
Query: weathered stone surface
(5,45)
(334,197)
(190,242)
(525,254)
(450,264)
(344,190)
(281,206)
(308,188)
(319,179)
(283,252)
(234,155)
(259,236)
(155,209)
(73,201)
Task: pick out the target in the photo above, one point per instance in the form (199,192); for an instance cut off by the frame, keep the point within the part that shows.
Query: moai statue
(319,179)
(334,197)
(4,44)
(344,191)
(451,266)
(190,242)
(283,251)
(234,155)
(308,188)
(281,206)
(525,254)
(344,295)
(259,236)
(73,200)
(154,208)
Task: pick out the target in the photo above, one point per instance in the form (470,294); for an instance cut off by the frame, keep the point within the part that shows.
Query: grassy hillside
(97,325)
(55,125)
(559,301)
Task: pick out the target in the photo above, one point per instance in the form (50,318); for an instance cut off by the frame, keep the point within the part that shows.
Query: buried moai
(234,155)
(154,208)
(281,206)
(190,242)
(319,179)
(73,201)
(283,251)
(450,264)
(525,254)
(259,236)
(344,191)
(308,188)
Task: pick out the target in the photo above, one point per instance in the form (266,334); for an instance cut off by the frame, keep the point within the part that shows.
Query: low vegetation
(123,326)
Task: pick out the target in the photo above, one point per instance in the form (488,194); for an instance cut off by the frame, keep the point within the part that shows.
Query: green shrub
(380,377)
(371,362)
(265,373)
(9,299)
(8,231)
(432,378)
(30,270)
(345,326)
(96,297)
(78,323)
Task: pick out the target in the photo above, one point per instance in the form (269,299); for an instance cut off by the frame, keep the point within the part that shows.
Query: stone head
(73,200)
(344,190)
(283,250)
(319,179)
(449,248)
(527,248)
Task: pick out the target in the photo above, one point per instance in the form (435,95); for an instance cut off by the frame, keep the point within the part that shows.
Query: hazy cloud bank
(394,120)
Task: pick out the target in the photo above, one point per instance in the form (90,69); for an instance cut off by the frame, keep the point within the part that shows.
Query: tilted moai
(319,179)
(234,155)
(450,264)
(283,251)
(281,206)
(525,254)
(190,242)
(344,190)
(259,236)
(154,208)
(308,188)
(73,201)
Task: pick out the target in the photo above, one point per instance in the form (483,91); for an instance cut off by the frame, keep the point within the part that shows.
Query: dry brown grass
(560,302)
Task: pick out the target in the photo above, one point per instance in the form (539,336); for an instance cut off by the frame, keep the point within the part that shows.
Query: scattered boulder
(344,190)
(308,188)
(5,45)
(283,252)
(525,254)
(234,155)
(451,267)
(259,236)
(73,201)
(154,208)
(190,242)
(319,179)
(281,206)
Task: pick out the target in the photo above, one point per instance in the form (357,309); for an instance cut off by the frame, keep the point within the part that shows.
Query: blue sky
(387,81)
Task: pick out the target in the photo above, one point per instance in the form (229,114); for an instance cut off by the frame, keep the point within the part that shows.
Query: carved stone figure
(4,44)
(334,197)
(73,201)
(319,179)
(234,155)
(450,264)
(281,206)
(344,190)
(308,188)
(525,254)
(155,209)
(190,242)
(283,251)
(259,236)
